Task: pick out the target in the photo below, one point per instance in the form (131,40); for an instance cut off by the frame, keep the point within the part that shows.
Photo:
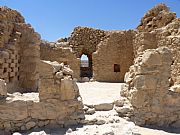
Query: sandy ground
(99,92)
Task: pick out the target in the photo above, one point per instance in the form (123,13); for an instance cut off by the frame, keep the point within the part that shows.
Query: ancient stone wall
(158,40)
(170,37)
(148,89)
(57,104)
(143,41)
(173,43)
(165,32)
(60,52)
(156,29)
(111,49)
(157,17)
(114,52)
(19,51)
(84,40)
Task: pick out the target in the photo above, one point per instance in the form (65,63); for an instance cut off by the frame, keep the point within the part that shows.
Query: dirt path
(99,92)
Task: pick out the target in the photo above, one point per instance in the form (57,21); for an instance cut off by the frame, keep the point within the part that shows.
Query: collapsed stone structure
(147,88)
(19,52)
(158,17)
(94,43)
(57,103)
(163,31)
(83,40)
(60,52)
(152,83)
(158,27)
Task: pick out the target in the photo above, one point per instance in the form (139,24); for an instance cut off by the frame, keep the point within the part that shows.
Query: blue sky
(57,18)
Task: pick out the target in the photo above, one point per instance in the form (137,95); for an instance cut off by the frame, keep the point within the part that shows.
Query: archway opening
(86,66)
(84,61)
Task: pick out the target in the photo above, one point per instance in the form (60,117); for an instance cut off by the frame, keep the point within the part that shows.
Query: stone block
(67,71)
(3,88)
(16,110)
(152,58)
(30,125)
(48,89)
(4,54)
(11,74)
(103,107)
(12,65)
(67,89)
(46,70)
(145,82)
(37,111)
(5,65)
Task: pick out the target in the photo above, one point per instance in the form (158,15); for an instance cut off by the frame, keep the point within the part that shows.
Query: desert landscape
(130,84)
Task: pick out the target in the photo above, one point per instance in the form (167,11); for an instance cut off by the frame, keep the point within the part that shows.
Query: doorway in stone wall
(86,66)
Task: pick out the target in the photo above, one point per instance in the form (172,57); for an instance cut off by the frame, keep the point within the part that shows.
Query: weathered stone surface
(175,88)
(46,69)
(100,122)
(57,67)
(30,125)
(90,111)
(18,40)
(61,54)
(176,124)
(84,39)
(59,75)
(58,102)
(103,107)
(119,103)
(85,79)
(123,111)
(148,91)
(152,84)
(152,58)
(157,17)
(40,113)
(111,60)
(67,71)
(159,27)
(3,88)
(16,110)
(67,89)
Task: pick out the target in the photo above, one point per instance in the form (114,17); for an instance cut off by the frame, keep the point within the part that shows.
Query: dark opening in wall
(116,68)
(65,62)
(86,66)
(84,61)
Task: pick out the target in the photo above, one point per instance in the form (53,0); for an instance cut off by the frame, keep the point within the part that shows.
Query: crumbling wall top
(157,17)
(7,14)
(84,40)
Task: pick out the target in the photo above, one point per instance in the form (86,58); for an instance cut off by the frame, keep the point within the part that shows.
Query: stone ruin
(95,43)
(146,59)
(152,83)
(58,101)
(19,52)
(106,50)
(148,89)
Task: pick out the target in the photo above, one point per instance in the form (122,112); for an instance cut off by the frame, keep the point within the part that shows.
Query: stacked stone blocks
(9,65)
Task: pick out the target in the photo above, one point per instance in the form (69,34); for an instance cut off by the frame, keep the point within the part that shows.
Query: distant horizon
(57,19)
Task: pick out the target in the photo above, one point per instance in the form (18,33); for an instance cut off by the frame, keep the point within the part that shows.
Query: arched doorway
(86,66)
